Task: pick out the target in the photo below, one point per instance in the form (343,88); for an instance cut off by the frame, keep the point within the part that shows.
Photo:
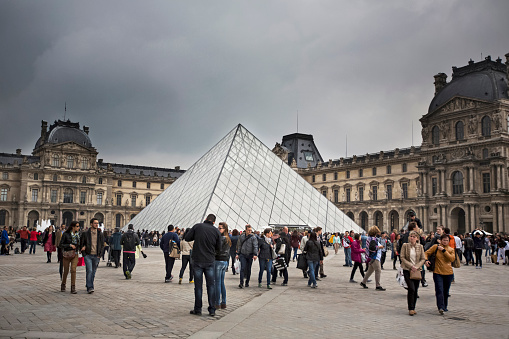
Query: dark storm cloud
(160,82)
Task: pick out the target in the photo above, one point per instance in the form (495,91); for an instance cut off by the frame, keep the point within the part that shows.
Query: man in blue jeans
(247,251)
(207,241)
(92,246)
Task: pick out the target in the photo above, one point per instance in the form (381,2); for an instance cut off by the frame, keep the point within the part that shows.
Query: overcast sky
(160,82)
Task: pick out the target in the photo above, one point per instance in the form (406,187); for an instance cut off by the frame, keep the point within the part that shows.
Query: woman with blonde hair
(221,264)
(374,256)
(412,259)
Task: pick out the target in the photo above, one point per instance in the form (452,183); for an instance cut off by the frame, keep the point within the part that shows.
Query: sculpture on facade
(472,125)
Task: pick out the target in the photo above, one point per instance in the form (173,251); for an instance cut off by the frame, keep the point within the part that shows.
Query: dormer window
(308,156)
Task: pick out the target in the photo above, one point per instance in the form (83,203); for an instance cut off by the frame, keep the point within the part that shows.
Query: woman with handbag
(442,273)
(357,254)
(412,259)
(49,242)
(69,245)
(265,256)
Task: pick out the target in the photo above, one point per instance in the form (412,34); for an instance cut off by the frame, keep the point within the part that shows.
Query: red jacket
(356,251)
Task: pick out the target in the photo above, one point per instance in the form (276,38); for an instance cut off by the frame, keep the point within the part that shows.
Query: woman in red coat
(357,253)
(49,242)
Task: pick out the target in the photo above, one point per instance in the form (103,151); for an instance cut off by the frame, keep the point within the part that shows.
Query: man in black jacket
(92,246)
(207,241)
(129,240)
(168,241)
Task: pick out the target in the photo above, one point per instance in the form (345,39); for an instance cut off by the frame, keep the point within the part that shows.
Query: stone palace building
(62,180)
(458,177)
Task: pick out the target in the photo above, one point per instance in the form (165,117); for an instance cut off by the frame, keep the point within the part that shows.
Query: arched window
(460,130)
(68,196)
(457,183)
(435,135)
(486,126)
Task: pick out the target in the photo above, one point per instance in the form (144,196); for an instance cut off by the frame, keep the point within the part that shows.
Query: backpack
(16,250)
(373,250)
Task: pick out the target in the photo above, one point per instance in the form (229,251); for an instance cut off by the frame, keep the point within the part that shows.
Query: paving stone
(31,304)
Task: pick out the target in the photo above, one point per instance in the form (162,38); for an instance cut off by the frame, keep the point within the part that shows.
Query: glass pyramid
(242,182)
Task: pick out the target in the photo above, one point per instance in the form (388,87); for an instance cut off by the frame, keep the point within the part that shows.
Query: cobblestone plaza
(31,305)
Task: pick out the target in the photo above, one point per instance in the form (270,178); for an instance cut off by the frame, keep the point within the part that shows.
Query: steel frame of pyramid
(242,182)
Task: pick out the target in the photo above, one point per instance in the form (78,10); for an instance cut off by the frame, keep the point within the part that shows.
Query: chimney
(177,168)
(507,64)
(18,151)
(44,129)
(440,82)
(85,129)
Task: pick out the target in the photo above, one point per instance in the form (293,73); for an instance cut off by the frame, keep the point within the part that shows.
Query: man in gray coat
(247,251)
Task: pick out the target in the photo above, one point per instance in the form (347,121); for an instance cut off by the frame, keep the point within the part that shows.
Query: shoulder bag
(415,275)
(69,254)
(431,260)
(456,263)
(175,252)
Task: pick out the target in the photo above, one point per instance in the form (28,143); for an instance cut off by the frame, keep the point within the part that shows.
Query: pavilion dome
(485,80)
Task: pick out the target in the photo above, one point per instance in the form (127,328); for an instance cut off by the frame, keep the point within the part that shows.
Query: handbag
(325,251)
(282,249)
(81,261)
(302,263)
(431,260)
(69,254)
(175,252)
(415,275)
(456,263)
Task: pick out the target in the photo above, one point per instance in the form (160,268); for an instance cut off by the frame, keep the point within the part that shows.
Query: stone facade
(458,177)
(63,181)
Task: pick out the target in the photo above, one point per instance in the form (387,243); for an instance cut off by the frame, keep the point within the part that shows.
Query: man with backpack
(129,241)
(168,241)
(247,251)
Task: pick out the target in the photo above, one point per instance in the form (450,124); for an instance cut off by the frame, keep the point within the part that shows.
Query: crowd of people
(207,251)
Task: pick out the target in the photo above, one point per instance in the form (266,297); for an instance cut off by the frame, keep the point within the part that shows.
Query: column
(439,182)
(472,184)
(472,220)
(494,176)
(467,217)
(499,177)
(500,217)
(425,184)
(444,188)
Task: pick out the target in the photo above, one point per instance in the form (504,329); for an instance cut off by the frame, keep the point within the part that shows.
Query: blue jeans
(442,286)
(265,265)
(91,263)
(33,244)
(348,256)
(199,270)
(295,249)
(311,272)
(245,267)
(219,272)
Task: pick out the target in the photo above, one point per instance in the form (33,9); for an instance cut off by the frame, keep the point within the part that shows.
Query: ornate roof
(64,131)
(485,80)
